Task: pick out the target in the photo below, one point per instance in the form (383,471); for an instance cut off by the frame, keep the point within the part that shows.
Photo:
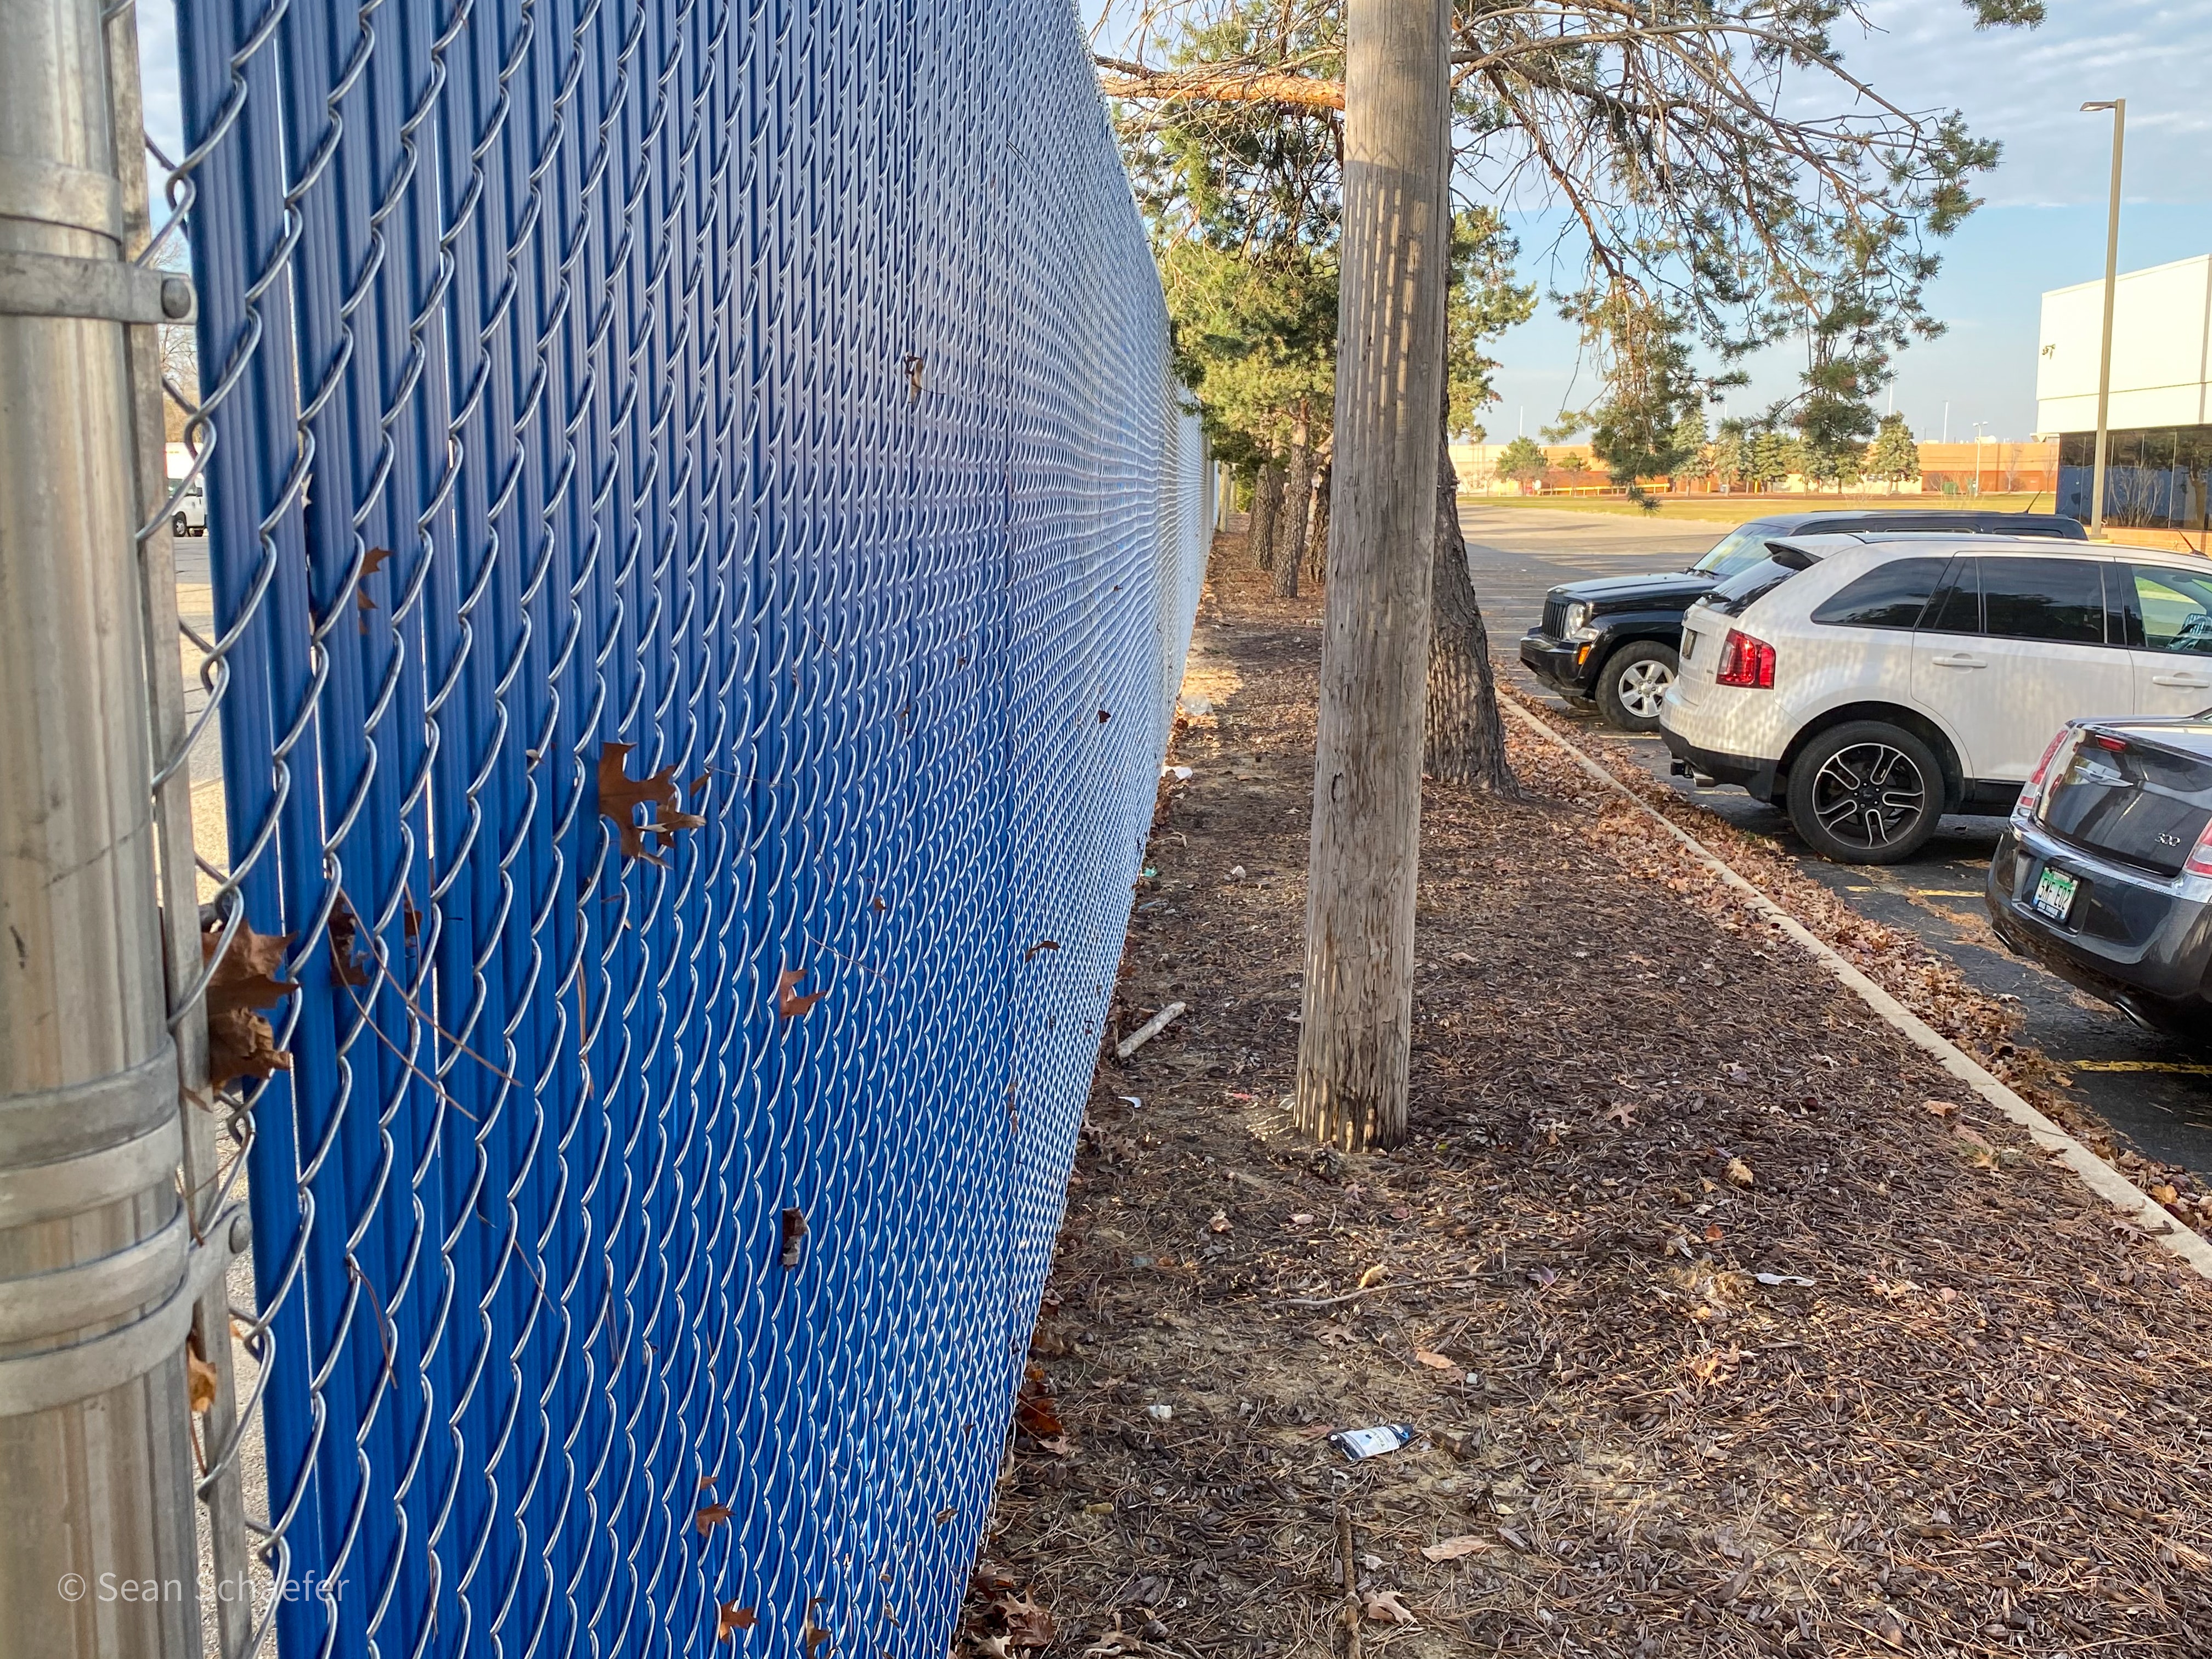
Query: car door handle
(2194,682)
(1959,659)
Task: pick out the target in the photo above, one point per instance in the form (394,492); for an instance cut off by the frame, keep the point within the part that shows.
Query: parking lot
(2156,1092)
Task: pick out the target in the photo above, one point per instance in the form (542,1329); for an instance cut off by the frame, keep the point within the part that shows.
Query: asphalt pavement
(2156,1091)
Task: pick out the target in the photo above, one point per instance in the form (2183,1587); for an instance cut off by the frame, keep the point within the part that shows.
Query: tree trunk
(1318,537)
(1298,498)
(1267,501)
(1465,736)
(1354,1046)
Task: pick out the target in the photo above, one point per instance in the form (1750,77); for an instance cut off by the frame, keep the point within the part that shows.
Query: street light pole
(2119,108)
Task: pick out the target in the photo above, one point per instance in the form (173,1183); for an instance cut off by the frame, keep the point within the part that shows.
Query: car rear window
(1755,582)
(2062,600)
(1891,595)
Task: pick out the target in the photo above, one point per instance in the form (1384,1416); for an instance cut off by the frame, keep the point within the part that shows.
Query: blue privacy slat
(781,390)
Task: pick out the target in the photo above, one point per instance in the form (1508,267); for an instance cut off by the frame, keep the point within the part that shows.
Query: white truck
(189,518)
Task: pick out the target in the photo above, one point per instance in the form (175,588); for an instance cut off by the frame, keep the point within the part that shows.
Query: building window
(2154,478)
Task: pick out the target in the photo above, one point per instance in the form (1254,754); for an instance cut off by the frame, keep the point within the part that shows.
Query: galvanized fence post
(98,1272)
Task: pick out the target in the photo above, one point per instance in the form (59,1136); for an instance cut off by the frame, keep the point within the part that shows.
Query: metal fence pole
(96,1278)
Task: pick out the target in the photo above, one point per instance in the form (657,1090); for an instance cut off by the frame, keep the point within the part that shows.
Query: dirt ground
(1724,1322)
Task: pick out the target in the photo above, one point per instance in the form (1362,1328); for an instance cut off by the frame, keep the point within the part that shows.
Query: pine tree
(1524,461)
(1689,446)
(1893,457)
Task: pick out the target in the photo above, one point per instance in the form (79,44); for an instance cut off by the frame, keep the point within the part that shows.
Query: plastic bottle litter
(1357,1444)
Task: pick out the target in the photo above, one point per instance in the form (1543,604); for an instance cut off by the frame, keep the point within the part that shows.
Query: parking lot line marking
(2190,1068)
(1944,892)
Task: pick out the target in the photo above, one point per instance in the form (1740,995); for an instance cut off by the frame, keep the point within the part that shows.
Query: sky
(2042,226)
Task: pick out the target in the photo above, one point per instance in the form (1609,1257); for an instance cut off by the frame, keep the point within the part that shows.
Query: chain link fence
(701,537)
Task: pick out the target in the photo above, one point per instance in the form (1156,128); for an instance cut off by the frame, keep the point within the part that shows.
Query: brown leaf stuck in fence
(240,1042)
(729,1617)
(788,1003)
(621,795)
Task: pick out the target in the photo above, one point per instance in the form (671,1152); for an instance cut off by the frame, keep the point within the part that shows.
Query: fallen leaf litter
(1982,1427)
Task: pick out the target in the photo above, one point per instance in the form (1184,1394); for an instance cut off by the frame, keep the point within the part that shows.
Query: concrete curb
(2100,1177)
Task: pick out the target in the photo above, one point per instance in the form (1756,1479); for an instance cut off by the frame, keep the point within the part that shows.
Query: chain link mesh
(781,390)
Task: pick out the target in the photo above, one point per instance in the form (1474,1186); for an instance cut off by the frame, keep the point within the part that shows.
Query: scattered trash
(1136,1104)
(1358,1443)
(1151,1029)
(1784,1279)
(1196,703)
(1180,774)
(1160,1413)
(1236,872)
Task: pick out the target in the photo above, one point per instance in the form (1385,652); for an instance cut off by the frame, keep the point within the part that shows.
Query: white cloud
(2025,87)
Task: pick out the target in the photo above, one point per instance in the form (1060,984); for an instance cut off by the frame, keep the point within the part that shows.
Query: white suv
(1874,683)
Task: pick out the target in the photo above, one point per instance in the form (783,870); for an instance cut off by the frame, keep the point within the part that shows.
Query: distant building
(2160,419)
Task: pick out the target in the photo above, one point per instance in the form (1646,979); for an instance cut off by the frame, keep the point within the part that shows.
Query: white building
(2160,419)
(2161,350)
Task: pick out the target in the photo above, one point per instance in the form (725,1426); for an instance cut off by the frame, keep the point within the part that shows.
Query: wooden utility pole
(1396,254)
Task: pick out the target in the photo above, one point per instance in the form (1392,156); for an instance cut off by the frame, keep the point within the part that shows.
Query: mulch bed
(1639,1120)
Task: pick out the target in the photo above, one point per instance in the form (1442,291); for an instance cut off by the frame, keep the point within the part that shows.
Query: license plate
(2054,894)
(1689,645)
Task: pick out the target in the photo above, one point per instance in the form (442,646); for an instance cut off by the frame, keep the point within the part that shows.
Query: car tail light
(2199,861)
(1745,661)
(2031,793)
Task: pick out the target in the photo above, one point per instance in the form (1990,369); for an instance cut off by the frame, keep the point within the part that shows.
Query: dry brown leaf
(711,1515)
(1939,1107)
(1435,1362)
(787,1004)
(344,931)
(1033,1408)
(240,1042)
(1042,945)
(199,1381)
(621,795)
(369,566)
(2164,1193)
(1452,1548)
(246,978)
(1620,1113)
(729,1618)
(1384,1606)
(1028,1624)
(1374,1275)
(1714,1232)
(1739,1173)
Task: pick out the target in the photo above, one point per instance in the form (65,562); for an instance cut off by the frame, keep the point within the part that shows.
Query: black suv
(1611,639)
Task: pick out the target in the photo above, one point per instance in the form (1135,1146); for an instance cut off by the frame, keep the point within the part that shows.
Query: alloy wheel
(1643,687)
(1869,795)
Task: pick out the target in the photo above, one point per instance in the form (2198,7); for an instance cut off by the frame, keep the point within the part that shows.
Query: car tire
(1631,683)
(1866,792)
(178,527)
